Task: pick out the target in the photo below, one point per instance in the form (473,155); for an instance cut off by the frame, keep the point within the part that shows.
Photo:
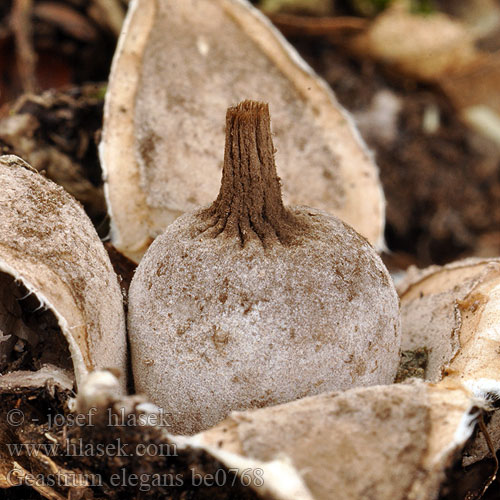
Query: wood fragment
(67,19)
(318,26)
(23,31)
(108,13)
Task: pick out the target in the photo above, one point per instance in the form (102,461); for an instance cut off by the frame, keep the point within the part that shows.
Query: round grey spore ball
(248,303)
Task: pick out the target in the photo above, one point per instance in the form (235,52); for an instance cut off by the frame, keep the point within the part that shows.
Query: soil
(469,483)
(413,364)
(183,473)
(38,406)
(57,132)
(32,337)
(123,267)
(442,186)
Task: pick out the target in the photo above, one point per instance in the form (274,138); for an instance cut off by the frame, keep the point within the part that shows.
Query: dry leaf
(425,47)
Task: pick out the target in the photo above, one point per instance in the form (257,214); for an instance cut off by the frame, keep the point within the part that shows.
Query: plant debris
(54,44)
(413,364)
(49,246)
(56,133)
(329,438)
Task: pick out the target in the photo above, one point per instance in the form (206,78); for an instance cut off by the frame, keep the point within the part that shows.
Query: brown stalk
(249,204)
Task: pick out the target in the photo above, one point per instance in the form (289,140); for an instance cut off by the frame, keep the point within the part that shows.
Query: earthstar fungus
(248,303)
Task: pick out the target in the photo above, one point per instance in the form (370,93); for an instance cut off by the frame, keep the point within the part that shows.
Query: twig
(67,19)
(26,57)
(317,26)
(110,13)
(493,476)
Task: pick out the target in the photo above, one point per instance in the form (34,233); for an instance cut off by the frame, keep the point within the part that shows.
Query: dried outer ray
(454,311)
(178,66)
(329,446)
(48,376)
(394,441)
(321,447)
(49,246)
(280,480)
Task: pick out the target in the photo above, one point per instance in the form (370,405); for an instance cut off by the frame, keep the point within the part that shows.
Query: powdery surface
(48,239)
(215,327)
